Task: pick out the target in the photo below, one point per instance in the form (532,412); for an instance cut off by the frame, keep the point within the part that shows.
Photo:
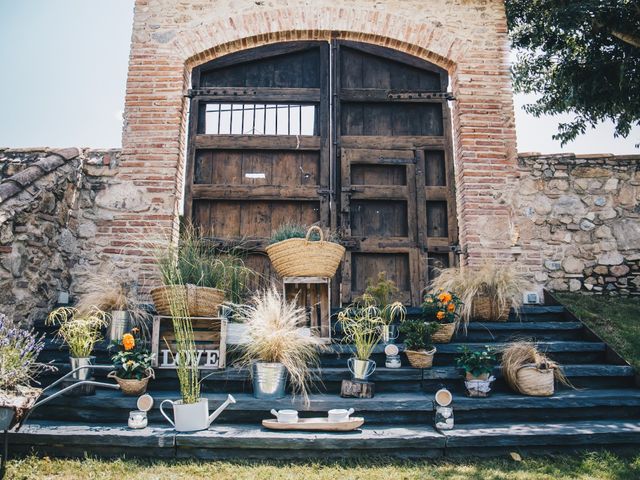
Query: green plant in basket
(442,307)
(477,363)
(418,334)
(133,360)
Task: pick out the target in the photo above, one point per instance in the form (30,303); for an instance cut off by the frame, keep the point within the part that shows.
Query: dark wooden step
(252,441)
(506,331)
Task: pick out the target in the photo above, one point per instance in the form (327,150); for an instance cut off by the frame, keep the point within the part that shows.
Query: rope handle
(314,228)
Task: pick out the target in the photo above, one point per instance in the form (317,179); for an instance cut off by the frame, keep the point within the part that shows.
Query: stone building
(396,130)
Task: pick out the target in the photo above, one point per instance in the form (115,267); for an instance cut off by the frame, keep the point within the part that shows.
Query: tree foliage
(582,57)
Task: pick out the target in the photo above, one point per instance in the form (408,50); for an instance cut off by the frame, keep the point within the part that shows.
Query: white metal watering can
(190,417)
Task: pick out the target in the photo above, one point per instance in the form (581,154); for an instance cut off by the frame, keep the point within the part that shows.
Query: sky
(63,70)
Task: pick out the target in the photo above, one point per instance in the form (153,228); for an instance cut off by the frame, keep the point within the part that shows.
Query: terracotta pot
(470,377)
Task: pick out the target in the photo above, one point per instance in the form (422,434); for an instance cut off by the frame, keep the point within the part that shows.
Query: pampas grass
(276,335)
(503,284)
(524,353)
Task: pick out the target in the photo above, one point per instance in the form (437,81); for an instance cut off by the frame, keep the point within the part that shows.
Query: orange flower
(128,342)
(444,297)
(451,307)
(440,315)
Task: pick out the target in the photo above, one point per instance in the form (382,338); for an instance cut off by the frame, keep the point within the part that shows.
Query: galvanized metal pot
(361,369)
(85,373)
(119,325)
(389,333)
(269,380)
(6,417)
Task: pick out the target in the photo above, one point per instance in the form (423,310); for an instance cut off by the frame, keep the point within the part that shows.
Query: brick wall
(467,37)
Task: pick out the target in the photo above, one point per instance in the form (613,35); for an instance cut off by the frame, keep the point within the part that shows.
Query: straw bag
(133,386)
(301,257)
(444,334)
(421,359)
(200,301)
(485,308)
(534,381)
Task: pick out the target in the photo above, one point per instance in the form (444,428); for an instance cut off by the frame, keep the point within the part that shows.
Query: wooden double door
(351,136)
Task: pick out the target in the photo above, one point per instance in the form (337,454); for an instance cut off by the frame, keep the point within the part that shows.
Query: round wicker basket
(534,381)
(201,301)
(301,257)
(444,334)
(486,309)
(421,358)
(132,386)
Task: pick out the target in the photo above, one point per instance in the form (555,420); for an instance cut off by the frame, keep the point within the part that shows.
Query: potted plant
(442,309)
(19,367)
(81,333)
(279,346)
(477,366)
(296,251)
(132,364)
(382,293)
(418,344)
(201,273)
(361,325)
(109,289)
(486,293)
(530,372)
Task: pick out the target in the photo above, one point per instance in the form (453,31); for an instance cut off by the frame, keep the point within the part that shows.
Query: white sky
(63,69)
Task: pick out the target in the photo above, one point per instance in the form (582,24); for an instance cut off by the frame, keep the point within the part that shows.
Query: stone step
(109,406)
(253,441)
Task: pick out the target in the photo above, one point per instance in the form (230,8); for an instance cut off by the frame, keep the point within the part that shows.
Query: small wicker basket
(485,309)
(301,257)
(444,334)
(133,386)
(535,382)
(201,301)
(421,358)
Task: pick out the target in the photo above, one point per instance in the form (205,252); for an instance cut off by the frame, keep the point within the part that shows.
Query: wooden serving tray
(319,424)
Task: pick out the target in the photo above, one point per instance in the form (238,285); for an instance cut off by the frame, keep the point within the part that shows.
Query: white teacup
(340,415)
(285,416)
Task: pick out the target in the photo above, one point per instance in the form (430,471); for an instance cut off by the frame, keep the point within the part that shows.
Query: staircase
(603,410)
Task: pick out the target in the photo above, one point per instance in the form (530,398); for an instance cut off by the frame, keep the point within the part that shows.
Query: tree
(582,57)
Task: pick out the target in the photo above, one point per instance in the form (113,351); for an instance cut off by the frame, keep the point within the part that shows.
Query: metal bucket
(6,417)
(119,325)
(85,373)
(361,369)
(389,333)
(269,380)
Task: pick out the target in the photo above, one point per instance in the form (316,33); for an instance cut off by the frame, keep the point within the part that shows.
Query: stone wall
(53,224)
(582,213)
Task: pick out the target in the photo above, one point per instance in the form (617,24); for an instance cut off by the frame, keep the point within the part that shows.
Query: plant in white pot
(361,325)
(19,367)
(114,289)
(80,332)
(279,346)
(191,412)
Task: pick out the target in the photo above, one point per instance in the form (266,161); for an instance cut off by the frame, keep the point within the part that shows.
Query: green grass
(614,319)
(601,465)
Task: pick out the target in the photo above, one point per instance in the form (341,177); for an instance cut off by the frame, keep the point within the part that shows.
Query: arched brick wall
(468,38)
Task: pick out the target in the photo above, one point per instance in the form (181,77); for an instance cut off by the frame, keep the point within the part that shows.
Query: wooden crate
(210,336)
(314,294)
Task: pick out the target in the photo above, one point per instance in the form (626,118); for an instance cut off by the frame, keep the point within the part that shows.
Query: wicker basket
(535,382)
(301,257)
(444,334)
(422,358)
(201,301)
(485,309)
(132,386)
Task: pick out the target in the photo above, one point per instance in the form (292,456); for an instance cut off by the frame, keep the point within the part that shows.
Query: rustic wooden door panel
(393,119)
(396,265)
(379,218)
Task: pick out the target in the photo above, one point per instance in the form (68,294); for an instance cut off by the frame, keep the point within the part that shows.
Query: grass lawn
(615,319)
(601,465)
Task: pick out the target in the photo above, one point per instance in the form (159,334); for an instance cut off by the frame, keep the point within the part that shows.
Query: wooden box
(314,294)
(210,336)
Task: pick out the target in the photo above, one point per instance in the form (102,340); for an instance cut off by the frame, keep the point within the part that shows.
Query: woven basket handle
(314,228)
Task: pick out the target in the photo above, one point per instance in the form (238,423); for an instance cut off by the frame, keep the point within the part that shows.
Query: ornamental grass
(80,331)
(525,353)
(276,332)
(362,324)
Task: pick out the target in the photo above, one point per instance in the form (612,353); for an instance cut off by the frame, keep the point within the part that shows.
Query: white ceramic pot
(285,416)
(340,415)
